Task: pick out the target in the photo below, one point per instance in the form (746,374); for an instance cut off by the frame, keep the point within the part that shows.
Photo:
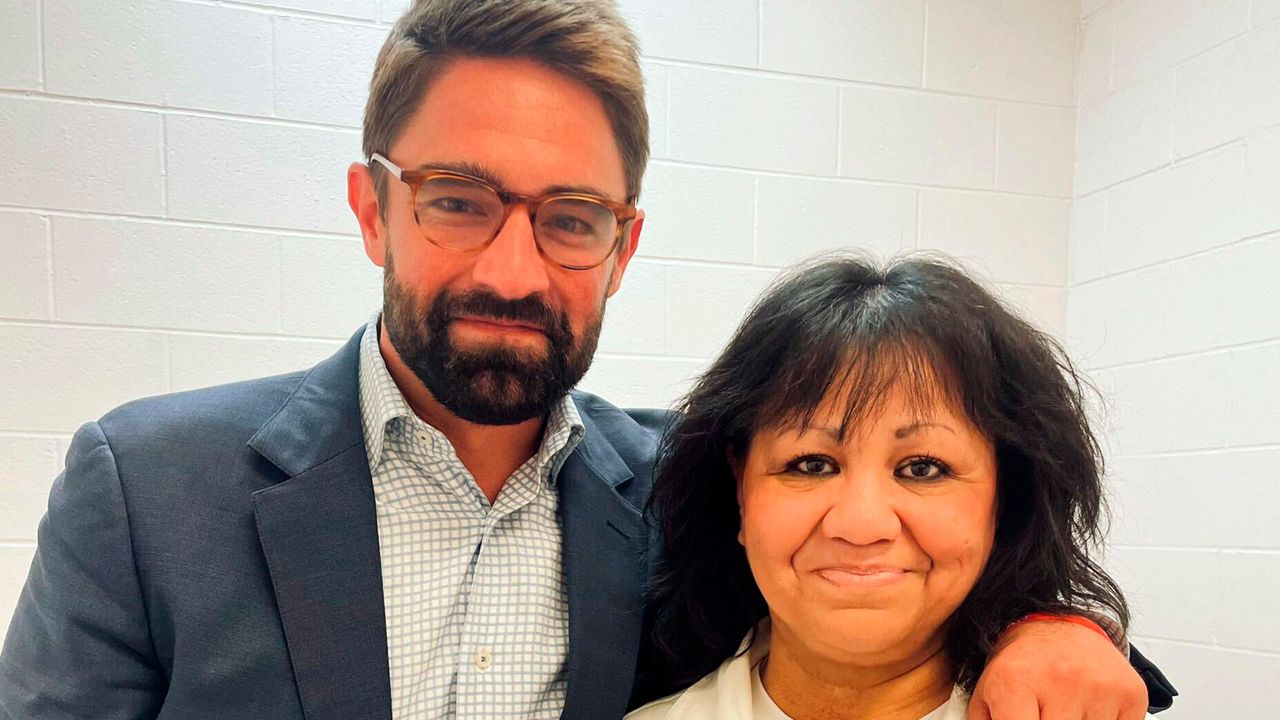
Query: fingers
(1066,712)
(1102,710)
(1136,710)
(977,710)
(1015,706)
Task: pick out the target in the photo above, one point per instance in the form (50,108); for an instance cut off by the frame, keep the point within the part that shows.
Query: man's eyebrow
(466,167)
(907,430)
(487,174)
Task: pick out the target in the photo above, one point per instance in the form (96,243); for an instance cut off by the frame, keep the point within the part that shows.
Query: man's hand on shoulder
(1057,671)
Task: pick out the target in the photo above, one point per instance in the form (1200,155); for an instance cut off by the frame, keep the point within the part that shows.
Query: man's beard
(493,384)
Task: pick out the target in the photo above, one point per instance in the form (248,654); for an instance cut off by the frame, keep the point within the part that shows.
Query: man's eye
(570,224)
(454,205)
(812,465)
(922,469)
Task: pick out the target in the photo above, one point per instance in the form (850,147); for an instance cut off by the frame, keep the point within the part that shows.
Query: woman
(883,470)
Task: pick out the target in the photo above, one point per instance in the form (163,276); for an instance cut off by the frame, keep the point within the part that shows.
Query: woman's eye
(922,469)
(812,465)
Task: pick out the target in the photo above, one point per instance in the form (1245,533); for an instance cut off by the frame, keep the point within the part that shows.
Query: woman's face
(864,546)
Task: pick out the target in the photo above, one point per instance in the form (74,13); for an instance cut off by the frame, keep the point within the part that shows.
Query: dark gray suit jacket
(214,554)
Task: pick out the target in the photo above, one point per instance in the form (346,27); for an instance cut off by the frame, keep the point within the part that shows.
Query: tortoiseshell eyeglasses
(464,213)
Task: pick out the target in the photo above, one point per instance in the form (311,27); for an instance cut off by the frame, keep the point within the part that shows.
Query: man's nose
(511,265)
(863,511)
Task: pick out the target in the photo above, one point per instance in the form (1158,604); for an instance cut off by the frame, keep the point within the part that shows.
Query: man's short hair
(586,40)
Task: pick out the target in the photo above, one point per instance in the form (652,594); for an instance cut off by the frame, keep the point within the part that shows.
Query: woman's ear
(735,467)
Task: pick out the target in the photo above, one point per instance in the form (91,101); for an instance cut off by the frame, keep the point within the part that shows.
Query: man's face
(500,334)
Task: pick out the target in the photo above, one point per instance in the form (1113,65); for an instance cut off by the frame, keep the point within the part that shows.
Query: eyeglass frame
(623,213)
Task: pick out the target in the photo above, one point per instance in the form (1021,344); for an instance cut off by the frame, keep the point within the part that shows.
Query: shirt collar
(382,403)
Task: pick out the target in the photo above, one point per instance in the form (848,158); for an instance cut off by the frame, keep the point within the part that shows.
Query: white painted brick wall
(1173,304)
(173,213)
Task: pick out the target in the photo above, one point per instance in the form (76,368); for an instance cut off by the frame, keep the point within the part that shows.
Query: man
(428,523)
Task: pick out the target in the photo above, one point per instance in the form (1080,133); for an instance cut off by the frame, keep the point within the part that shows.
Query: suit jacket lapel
(604,539)
(319,533)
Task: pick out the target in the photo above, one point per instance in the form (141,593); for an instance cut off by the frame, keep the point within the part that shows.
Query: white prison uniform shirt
(476,609)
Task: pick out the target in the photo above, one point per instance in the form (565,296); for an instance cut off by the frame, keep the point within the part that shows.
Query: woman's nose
(862,511)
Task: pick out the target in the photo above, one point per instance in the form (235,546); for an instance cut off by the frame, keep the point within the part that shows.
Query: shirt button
(483,659)
(423,436)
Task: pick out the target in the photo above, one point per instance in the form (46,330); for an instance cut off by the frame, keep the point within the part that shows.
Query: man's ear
(362,196)
(631,241)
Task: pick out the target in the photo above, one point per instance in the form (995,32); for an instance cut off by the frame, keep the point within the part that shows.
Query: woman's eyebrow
(907,430)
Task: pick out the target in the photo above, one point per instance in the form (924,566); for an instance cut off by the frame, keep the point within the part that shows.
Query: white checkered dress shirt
(476,609)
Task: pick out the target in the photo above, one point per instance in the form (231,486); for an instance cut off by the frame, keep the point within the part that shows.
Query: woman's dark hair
(848,326)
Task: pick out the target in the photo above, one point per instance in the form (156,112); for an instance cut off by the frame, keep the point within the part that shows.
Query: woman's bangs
(859,378)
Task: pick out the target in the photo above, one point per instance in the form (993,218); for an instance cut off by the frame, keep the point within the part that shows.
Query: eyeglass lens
(464,215)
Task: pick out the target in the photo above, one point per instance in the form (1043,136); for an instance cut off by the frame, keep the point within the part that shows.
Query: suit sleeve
(79,645)
(1160,692)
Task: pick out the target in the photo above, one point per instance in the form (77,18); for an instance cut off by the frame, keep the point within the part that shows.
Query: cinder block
(1087,247)
(160,53)
(258,173)
(1176,211)
(739,120)
(1262,49)
(62,159)
(880,41)
(1155,35)
(1164,600)
(363,9)
(27,473)
(1122,319)
(1264,11)
(148,274)
(391,10)
(635,319)
(1094,58)
(915,137)
(1180,404)
(1015,239)
(698,213)
(322,69)
(329,287)
(1251,394)
(1089,7)
(1225,499)
(1014,51)
(1259,571)
(206,360)
(1223,298)
(721,33)
(1200,673)
(655,101)
(24,274)
(797,218)
(1229,92)
(705,305)
(1044,307)
(15,562)
(1125,134)
(632,382)
(1035,149)
(1262,183)
(1212,99)
(54,379)
(20,38)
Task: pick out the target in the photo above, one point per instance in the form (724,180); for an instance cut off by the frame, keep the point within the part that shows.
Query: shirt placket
(488,665)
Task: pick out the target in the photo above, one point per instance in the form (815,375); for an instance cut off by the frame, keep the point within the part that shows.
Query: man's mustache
(531,309)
